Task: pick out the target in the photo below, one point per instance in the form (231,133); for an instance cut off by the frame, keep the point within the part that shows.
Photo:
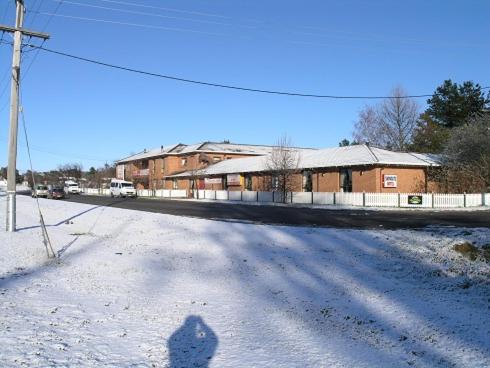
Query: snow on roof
(357,155)
(207,147)
(148,153)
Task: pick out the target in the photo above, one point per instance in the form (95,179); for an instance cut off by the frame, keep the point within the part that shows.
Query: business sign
(233,179)
(120,172)
(142,172)
(212,180)
(415,199)
(389,181)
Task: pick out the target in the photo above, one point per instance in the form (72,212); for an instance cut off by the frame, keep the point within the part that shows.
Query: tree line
(455,126)
(94,177)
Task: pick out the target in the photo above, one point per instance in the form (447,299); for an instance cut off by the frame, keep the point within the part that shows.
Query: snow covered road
(141,289)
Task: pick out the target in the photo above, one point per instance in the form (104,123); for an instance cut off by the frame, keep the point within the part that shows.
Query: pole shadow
(192,345)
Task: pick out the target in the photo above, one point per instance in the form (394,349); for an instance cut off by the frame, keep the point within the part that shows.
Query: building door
(346,180)
(307,181)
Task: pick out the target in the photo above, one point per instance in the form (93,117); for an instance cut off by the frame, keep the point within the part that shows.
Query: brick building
(211,165)
(154,169)
(349,169)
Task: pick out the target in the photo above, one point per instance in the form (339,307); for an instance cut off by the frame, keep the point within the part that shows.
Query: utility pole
(18,32)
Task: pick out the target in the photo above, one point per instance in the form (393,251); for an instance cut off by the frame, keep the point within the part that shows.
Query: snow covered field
(140,289)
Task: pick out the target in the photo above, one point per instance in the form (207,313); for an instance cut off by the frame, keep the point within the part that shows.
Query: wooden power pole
(18,32)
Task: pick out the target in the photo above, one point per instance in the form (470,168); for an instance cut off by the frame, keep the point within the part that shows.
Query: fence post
(363,199)
(170,194)
(291,196)
(241,196)
(312,197)
(228,195)
(464,199)
(433,201)
(273,200)
(399,200)
(334,198)
(483,199)
(257,196)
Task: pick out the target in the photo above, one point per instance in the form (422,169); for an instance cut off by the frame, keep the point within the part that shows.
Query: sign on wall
(142,172)
(389,181)
(233,179)
(415,199)
(212,180)
(120,172)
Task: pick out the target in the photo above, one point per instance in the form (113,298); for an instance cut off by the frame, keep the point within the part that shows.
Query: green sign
(414,199)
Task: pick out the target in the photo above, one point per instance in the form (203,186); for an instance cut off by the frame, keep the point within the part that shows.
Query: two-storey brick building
(229,166)
(152,169)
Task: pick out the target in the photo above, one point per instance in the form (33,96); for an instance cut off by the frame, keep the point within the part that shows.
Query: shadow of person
(192,345)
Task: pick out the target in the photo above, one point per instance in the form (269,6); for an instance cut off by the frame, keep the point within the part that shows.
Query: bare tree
(389,124)
(72,170)
(466,158)
(195,167)
(283,163)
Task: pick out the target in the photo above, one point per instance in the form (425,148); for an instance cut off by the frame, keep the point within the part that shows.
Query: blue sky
(78,112)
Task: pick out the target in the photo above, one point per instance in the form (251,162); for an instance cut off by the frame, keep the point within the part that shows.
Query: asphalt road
(356,219)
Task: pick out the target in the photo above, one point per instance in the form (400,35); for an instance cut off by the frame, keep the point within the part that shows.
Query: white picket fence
(161,193)
(405,200)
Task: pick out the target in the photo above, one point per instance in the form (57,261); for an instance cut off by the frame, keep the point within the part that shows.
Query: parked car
(122,188)
(71,187)
(40,190)
(56,193)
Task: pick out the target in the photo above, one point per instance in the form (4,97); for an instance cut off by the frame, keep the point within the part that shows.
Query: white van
(122,188)
(72,187)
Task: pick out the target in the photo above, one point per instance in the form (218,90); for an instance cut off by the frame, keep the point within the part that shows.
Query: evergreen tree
(452,105)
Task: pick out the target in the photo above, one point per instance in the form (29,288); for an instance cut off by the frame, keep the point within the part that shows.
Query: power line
(165,9)
(211,84)
(28,68)
(63,154)
(141,13)
(98,20)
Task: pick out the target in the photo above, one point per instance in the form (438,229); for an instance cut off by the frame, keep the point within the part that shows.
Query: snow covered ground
(141,289)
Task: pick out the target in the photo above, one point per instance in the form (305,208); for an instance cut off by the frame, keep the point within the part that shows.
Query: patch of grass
(471,252)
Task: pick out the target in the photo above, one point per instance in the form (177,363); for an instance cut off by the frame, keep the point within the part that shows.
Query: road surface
(297,216)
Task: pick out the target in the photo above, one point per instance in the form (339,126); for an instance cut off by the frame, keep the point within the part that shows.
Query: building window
(275,182)
(248,182)
(216,159)
(184,161)
(175,184)
(345,180)
(307,181)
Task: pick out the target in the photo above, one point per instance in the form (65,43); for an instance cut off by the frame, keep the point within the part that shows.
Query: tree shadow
(71,217)
(192,345)
(382,295)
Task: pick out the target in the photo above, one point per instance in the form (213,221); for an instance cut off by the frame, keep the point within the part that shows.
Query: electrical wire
(28,68)
(140,25)
(164,9)
(211,84)
(76,3)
